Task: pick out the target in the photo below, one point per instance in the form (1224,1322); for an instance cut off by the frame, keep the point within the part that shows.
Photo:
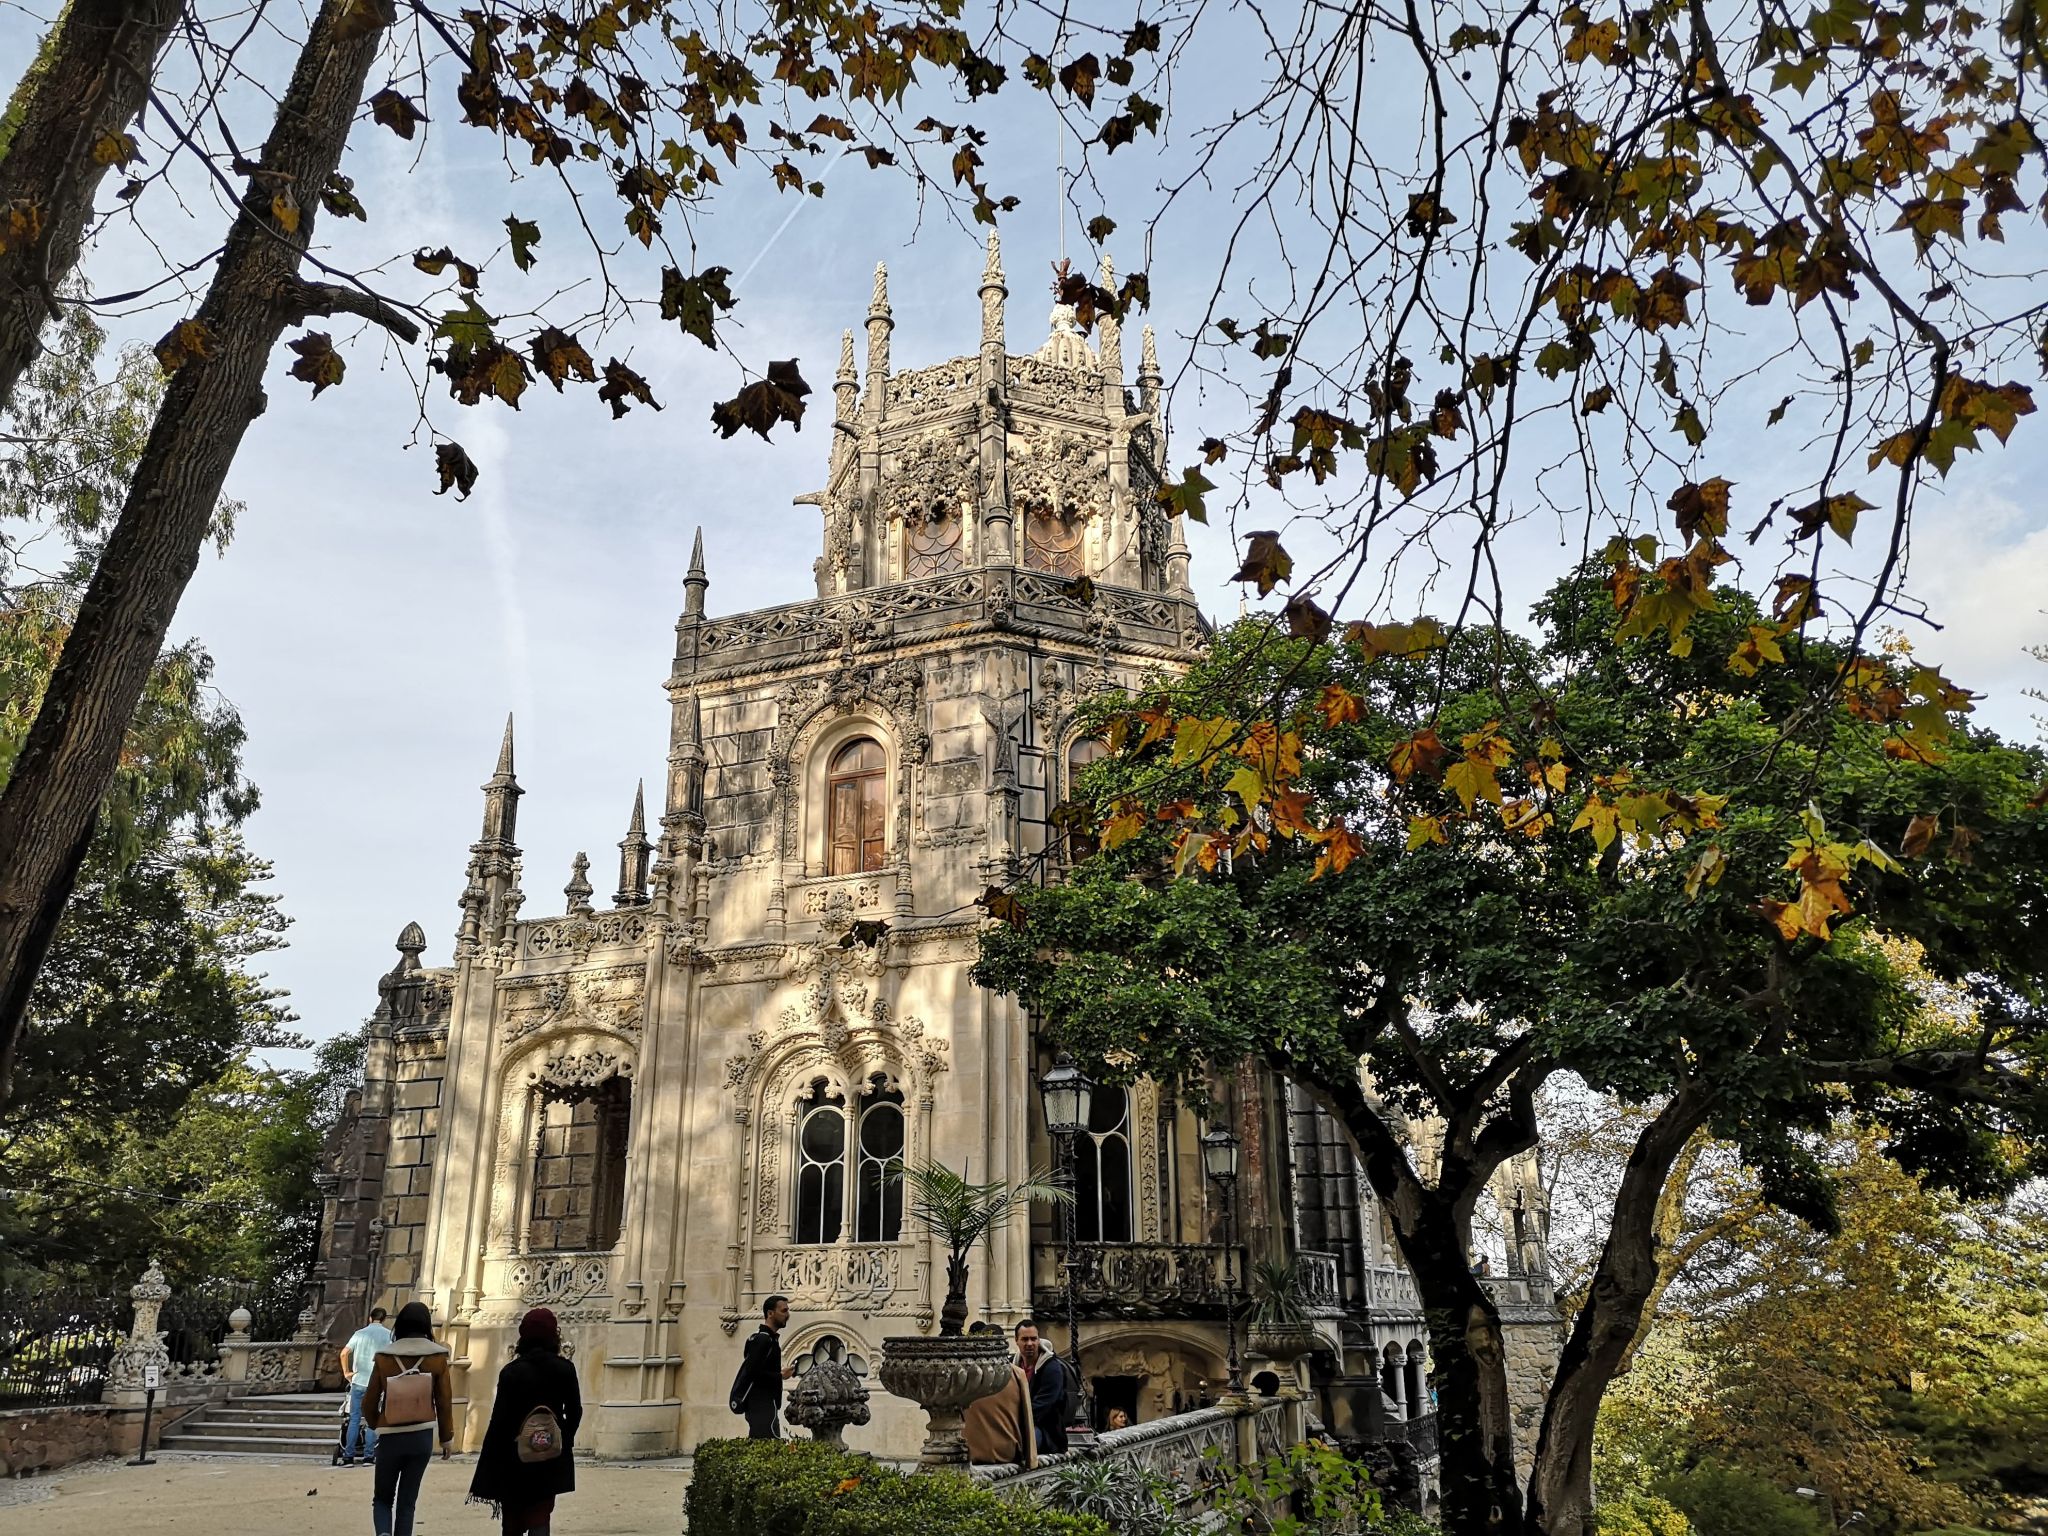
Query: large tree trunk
(72,746)
(81,92)
(1607,1326)
(1475,1421)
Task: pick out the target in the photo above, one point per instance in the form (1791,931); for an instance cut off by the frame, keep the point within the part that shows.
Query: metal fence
(55,1347)
(195,1321)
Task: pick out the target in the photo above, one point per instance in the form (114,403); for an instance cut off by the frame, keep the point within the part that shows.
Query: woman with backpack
(528,1456)
(406,1402)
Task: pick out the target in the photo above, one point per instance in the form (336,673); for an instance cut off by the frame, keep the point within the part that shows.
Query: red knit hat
(538,1329)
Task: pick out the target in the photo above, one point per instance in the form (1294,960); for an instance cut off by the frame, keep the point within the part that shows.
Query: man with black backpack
(757,1388)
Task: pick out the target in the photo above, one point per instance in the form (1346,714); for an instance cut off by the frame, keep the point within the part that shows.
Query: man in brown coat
(998,1427)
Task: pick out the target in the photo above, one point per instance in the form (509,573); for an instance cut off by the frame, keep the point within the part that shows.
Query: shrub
(1127,1498)
(801,1488)
(1639,1514)
(1726,1501)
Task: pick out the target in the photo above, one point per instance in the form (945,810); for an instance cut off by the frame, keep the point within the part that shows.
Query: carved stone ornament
(579,1069)
(934,475)
(1061,472)
(829,1394)
(612,998)
(943,1376)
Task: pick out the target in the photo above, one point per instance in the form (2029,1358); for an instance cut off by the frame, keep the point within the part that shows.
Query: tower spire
(880,324)
(501,802)
(633,854)
(694,582)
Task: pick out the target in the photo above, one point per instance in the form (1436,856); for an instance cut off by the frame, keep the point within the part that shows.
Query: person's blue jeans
(401,1463)
(361,1440)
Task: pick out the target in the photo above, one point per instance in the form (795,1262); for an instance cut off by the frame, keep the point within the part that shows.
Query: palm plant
(1277,1296)
(960,1214)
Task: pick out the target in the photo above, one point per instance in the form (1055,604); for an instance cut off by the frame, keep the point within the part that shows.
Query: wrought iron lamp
(1220,1162)
(1069,1096)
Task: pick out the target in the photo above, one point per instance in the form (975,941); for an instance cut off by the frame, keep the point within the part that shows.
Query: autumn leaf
(1340,845)
(434,263)
(115,149)
(1126,823)
(285,209)
(622,385)
(1706,870)
(1100,228)
(1837,513)
(1920,834)
(1425,829)
(1420,754)
(183,342)
(1079,78)
(1338,705)
(560,356)
(1472,779)
(1410,639)
(762,404)
(394,111)
(524,236)
(1306,621)
(1186,497)
(695,302)
(1266,563)
(319,364)
(1701,508)
(457,470)
(845,1485)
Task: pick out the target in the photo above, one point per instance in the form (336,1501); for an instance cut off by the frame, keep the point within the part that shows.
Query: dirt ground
(234,1496)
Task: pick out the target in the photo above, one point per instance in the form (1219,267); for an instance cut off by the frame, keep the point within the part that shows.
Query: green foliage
(1726,1501)
(1639,1514)
(960,1214)
(1128,1499)
(1276,1296)
(801,1488)
(1310,1489)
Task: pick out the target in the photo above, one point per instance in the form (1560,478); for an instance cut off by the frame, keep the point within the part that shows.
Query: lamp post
(1219,1162)
(1069,1095)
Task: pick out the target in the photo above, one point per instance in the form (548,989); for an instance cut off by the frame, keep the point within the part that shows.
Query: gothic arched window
(931,543)
(1081,840)
(878,1175)
(1052,541)
(1102,1170)
(820,1167)
(856,800)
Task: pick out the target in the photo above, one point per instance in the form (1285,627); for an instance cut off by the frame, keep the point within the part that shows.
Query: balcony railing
(1139,1279)
(1321,1290)
(1391,1289)
(1421,1434)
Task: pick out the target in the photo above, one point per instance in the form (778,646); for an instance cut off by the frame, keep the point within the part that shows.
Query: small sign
(152,1377)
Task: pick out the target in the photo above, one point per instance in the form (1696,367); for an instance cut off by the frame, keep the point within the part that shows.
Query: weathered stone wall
(1532,1336)
(409,1167)
(44,1439)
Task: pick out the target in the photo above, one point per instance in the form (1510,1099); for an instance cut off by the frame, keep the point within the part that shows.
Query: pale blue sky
(374,637)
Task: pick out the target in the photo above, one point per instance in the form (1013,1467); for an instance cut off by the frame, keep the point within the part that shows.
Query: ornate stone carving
(579,933)
(933,391)
(612,998)
(942,1376)
(835,1276)
(1060,471)
(560,1279)
(579,1069)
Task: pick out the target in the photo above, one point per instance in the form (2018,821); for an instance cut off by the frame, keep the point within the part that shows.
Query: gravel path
(237,1496)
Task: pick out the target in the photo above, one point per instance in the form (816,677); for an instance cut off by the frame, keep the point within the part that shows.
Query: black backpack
(743,1378)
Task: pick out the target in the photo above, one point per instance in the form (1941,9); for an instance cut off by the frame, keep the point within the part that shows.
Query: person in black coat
(1047,1373)
(757,1387)
(536,1377)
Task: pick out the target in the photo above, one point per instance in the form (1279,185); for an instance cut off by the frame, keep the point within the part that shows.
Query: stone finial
(1148,358)
(633,854)
(578,888)
(878,302)
(846,373)
(992,268)
(412,939)
(827,1397)
(695,581)
(1177,555)
(1106,274)
(504,770)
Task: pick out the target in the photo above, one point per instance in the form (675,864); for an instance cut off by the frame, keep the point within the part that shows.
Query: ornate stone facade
(708,1078)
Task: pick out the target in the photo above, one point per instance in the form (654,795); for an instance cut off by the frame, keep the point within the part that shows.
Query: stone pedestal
(942,1376)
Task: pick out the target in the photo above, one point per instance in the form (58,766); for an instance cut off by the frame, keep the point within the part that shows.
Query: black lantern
(1069,1095)
(1219,1155)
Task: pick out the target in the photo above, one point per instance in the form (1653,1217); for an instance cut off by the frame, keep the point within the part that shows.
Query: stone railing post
(234,1349)
(144,1345)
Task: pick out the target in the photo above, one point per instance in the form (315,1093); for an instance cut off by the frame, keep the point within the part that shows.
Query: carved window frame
(815,825)
(857,789)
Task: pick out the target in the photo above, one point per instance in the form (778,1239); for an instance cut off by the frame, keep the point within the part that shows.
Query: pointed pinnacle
(638,826)
(846,356)
(505,752)
(697,553)
(1150,354)
(992,269)
(1108,277)
(878,304)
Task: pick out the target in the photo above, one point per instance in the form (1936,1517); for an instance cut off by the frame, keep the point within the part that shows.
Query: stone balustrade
(1139,1280)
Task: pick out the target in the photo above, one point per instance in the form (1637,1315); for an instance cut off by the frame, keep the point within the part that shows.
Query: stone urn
(1283,1343)
(826,1398)
(942,1375)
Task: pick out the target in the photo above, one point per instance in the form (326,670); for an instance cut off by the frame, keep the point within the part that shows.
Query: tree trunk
(1475,1422)
(85,87)
(1606,1329)
(72,747)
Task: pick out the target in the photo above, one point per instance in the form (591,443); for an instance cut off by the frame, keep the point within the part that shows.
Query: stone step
(211,1444)
(234,1410)
(257,1429)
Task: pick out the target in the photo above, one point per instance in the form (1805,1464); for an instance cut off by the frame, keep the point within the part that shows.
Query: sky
(375,637)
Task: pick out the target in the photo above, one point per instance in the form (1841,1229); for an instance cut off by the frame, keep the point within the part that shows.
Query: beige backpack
(409,1396)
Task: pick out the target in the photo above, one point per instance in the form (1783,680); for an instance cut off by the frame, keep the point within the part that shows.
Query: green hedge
(801,1488)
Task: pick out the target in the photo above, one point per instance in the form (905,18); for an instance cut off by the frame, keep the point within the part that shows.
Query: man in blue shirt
(358,1359)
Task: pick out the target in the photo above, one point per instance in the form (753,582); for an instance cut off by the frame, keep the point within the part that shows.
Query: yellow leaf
(1424,829)
(1471,779)
(1602,818)
(1249,785)
(1706,870)
(285,209)
(1339,705)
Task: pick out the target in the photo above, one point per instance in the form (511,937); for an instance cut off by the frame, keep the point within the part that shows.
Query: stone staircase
(282,1424)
